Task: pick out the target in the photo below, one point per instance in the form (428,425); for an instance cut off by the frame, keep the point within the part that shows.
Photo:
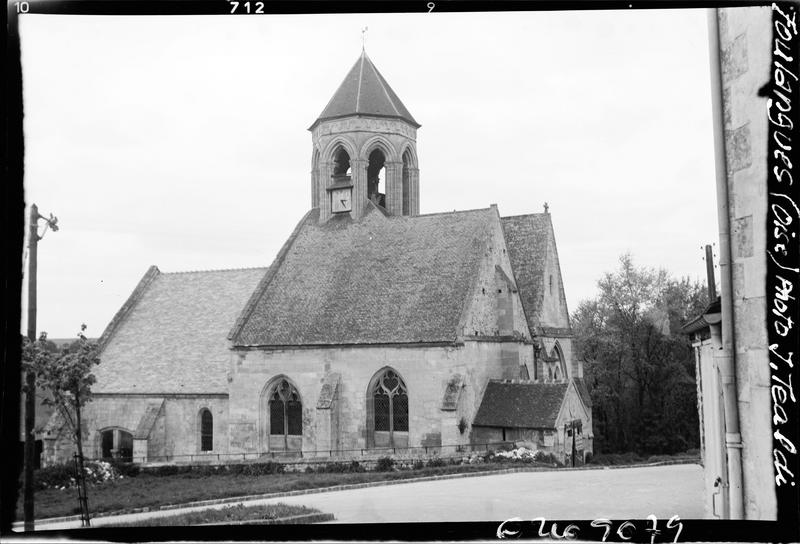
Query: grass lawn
(236,512)
(148,490)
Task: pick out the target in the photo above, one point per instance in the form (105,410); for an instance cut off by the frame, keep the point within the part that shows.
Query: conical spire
(364,91)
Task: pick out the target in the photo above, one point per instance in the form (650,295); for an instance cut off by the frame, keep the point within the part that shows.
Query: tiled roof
(365,92)
(172,336)
(526,239)
(374,281)
(520,405)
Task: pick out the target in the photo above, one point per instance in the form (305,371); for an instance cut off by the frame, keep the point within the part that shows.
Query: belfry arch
(376,178)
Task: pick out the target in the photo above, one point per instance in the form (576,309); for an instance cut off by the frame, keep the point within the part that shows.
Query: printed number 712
(249,7)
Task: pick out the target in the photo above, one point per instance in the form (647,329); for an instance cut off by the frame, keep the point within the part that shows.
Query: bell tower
(364,149)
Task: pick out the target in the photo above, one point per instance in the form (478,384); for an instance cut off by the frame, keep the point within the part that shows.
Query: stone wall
(745,42)
(426,372)
(175,432)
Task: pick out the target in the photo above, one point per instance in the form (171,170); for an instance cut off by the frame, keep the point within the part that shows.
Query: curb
(299,519)
(344,487)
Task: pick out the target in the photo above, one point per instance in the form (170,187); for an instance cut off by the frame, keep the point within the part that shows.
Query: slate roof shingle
(520,405)
(364,91)
(172,337)
(527,237)
(381,280)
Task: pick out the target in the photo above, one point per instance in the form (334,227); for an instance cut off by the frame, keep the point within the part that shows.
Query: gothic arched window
(390,398)
(562,364)
(285,410)
(206,430)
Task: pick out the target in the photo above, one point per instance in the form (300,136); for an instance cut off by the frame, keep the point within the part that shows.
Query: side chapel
(374,327)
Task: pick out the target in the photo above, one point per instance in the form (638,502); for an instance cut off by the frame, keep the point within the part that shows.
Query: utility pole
(30,377)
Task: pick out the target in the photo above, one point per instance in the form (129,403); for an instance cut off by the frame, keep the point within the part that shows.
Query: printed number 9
(431,5)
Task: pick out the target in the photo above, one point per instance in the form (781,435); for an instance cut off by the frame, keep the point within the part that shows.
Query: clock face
(341,200)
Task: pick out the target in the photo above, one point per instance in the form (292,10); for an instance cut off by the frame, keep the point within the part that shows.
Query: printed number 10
(22,7)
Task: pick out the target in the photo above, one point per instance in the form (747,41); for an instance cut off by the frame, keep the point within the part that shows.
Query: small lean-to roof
(379,280)
(170,336)
(364,91)
(527,237)
(520,404)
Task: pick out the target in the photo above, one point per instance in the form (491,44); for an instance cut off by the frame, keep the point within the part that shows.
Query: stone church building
(374,327)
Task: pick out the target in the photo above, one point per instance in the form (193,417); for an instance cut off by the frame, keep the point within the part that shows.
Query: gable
(573,406)
(172,335)
(379,280)
(495,308)
(534,260)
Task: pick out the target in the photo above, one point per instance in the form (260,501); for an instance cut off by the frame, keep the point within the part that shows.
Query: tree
(638,366)
(68,378)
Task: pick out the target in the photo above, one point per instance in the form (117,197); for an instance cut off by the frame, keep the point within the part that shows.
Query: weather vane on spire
(364,37)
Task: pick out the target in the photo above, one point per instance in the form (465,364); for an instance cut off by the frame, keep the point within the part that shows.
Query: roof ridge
(214,270)
(148,278)
(383,87)
(453,212)
(360,79)
(524,215)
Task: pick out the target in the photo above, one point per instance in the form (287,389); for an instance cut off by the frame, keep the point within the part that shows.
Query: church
(375,327)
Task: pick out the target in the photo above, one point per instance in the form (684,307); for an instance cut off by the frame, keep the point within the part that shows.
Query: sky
(182,142)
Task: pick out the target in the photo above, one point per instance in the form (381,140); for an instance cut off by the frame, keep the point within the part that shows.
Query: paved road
(581,494)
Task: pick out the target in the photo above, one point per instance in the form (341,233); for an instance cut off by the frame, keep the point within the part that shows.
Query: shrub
(384,464)
(310,469)
(259,469)
(545,457)
(167,470)
(54,476)
(436,462)
(419,464)
(128,470)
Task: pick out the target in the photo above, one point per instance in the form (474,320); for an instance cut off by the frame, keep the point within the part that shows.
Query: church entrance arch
(115,443)
(282,416)
(387,410)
